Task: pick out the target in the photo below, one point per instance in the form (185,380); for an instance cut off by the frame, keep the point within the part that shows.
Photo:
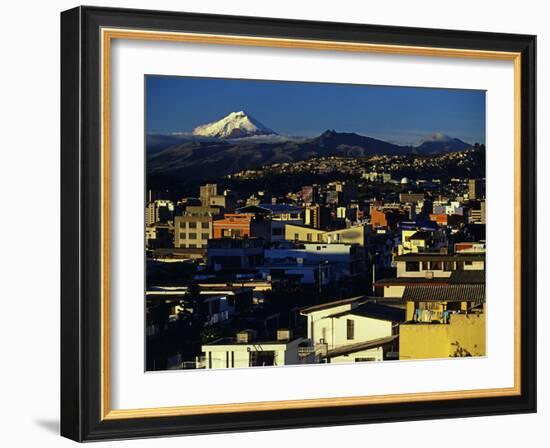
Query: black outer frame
(80,224)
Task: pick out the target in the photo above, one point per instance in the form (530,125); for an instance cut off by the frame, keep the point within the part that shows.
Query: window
(262,358)
(459,265)
(350,329)
(192,236)
(468,263)
(436,265)
(192,246)
(319,237)
(412,266)
(309,237)
(209,360)
(364,359)
(205,236)
(192,225)
(232,359)
(425,266)
(296,236)
(183,235)
(448,266)
(182,225)
(205,225)
(227,360)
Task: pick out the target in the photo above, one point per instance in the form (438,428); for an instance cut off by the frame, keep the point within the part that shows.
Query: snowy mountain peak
(234,125)
(439,137)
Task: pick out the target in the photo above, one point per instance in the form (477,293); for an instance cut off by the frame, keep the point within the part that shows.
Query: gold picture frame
(109,25)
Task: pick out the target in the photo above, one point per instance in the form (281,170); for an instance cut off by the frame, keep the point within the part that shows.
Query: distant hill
(239,142)
(195,159)
(440,143)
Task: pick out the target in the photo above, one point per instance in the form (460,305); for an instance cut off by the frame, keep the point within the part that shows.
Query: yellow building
(464,335)
(350,235)
(443,321)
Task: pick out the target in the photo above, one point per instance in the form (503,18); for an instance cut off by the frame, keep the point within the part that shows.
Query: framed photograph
(276,224)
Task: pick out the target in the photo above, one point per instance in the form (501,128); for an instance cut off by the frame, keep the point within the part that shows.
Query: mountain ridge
(192,159)
(239,142)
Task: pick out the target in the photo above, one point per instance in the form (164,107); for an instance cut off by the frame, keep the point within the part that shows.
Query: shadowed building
(241,225)
(194,228)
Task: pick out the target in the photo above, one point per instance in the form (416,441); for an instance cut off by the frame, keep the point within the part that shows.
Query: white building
(418,241)
(346,260)
(246,351)
(434,265)
(353,330)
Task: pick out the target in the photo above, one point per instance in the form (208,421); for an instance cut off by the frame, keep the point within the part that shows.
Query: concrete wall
(422,341)
(394,290)
(335,329)
(402,270)
(376,353)
(351,235)
(285,354)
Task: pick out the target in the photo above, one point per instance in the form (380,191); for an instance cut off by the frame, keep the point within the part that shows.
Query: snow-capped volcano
(234,125)
(438,137)
(440,142)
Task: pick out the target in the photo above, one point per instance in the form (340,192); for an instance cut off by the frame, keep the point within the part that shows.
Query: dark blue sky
(398,114)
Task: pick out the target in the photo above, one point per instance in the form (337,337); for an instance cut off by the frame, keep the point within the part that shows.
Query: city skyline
(401,115)
(266,251)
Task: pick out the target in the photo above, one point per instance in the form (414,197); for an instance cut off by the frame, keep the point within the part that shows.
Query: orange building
(234,225)
(446,220)
(386,218)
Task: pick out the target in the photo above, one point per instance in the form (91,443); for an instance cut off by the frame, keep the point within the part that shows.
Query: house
(159,235)
(216,304)
(233,253)
(430,265)
(444,321)
(411,197)
(216,308)
(395,287)
(319,274)
(353,330)
(445,220)
(350,235)
(278,214)
(241,225)
(478,246)
(336,260)
(418,241)
(382,217)
(245,350)
(194,228)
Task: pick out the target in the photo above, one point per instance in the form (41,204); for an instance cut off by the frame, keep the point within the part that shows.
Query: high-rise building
(316,216)
(159,211)
(476,189)
(309,194)
(206,192)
